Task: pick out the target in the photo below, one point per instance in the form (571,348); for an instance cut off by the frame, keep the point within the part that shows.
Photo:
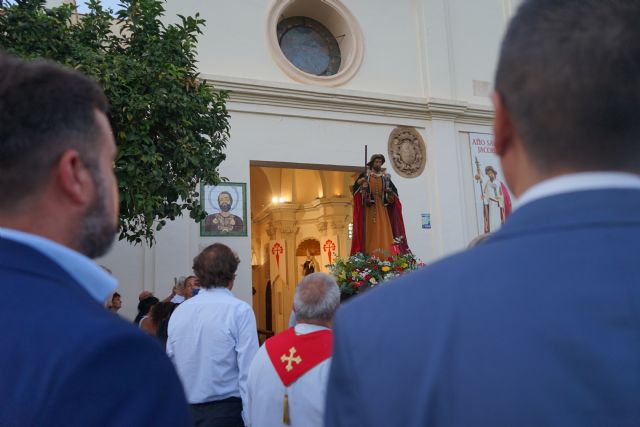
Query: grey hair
(317,297)
(180,282)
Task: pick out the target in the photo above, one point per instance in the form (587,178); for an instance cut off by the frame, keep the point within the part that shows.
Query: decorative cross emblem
(329,247)
(277,250)
(290,359)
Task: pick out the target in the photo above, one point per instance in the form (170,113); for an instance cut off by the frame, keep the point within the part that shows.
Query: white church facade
(414,73)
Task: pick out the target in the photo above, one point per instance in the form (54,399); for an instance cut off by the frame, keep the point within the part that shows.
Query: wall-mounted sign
(426,220)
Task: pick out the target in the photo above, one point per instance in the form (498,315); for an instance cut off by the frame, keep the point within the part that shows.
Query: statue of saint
(378,227)
(310,265)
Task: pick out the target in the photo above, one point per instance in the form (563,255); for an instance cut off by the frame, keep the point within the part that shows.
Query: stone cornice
(255,92)
(461,112)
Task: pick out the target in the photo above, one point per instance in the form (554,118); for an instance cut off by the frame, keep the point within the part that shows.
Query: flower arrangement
(360,271)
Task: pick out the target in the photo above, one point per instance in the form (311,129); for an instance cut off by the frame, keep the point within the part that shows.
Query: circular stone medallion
(407,152)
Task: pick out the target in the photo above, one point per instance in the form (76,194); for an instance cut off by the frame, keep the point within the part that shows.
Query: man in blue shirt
(72,363)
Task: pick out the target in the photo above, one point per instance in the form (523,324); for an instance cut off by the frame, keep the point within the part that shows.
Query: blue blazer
(538,326)
(67,361)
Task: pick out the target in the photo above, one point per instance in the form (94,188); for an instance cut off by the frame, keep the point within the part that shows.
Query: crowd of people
(212,341)
(547,335)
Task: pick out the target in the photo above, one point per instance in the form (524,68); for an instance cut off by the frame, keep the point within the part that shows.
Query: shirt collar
(216,289)
(307,328)
(579,182)
(97,282)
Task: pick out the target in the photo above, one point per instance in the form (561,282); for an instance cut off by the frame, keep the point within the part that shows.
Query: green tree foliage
(170,126)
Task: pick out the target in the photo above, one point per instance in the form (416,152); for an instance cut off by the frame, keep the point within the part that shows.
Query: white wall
(415,51)
(233,43)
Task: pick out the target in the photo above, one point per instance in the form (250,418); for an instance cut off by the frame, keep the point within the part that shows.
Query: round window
(309,46)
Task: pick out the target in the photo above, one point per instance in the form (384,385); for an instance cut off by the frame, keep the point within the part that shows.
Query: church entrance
(300,220)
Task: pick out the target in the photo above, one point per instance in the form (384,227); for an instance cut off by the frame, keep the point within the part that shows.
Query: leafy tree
(170,126)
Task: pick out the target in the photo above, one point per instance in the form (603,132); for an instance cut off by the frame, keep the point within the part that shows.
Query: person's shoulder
(241,309)
(261,357)
(241,305)
(117,346)
(104,328)
(119,358)
(185,308)
(221,298)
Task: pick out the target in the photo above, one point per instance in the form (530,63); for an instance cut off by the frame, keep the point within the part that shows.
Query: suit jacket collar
(607,207)
(86,272)
(569,183)
(23,258)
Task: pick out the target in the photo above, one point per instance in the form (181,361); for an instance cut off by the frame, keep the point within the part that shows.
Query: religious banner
(492,197)
(328,249)
(277,257)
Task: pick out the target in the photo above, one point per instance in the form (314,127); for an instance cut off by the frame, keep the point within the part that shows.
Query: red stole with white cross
(293,355)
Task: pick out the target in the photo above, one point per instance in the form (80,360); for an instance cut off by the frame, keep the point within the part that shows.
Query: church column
(323,231)
(282,234)
(288,230)
(338,227)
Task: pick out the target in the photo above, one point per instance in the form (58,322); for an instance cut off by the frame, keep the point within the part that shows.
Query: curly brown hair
(216,266)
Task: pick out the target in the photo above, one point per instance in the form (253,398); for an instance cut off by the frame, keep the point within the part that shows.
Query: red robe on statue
(394,210)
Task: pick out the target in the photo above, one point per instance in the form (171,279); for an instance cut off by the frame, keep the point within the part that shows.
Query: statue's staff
(485,208)
(478,176)
(365,196)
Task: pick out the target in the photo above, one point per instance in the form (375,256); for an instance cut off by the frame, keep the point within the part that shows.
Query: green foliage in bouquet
(360,271)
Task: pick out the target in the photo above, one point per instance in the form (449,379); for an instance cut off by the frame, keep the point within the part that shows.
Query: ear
(74,178)
(503,132)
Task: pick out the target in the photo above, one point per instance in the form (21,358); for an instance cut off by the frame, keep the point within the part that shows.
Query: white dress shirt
(177,299)
(579,182)
(306,394)
(212,340)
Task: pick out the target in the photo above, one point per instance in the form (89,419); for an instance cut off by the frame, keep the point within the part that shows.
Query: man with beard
(224,221)
(58,209)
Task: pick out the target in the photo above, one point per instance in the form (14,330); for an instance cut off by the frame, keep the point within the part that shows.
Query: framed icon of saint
(226,208)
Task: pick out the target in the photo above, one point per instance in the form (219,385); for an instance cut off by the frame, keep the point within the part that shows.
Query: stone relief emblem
(407,151)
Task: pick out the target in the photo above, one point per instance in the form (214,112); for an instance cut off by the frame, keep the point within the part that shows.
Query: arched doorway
(295,209)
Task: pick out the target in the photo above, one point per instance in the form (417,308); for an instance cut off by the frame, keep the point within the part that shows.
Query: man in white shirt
(548,336)
(288,377)
(212,339)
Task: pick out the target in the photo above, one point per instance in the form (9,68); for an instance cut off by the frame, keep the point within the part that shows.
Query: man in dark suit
(65,359)
(539,325)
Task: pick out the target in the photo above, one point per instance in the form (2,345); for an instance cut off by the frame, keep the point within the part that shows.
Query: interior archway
(295,207)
